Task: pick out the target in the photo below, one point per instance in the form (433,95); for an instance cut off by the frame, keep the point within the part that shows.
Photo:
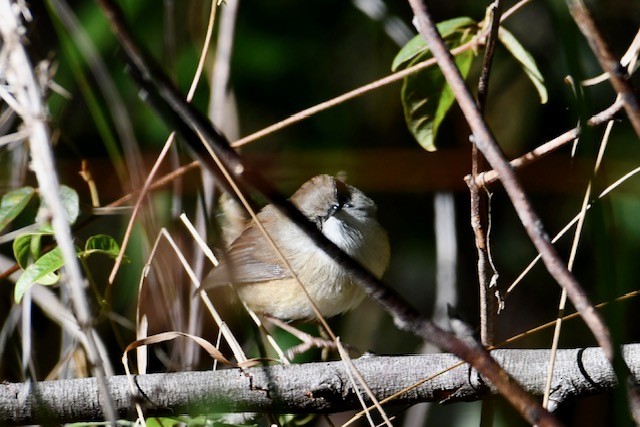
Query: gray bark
(306,388)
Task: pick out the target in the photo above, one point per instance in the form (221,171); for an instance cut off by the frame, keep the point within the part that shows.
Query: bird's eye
(348,205)
(335,207)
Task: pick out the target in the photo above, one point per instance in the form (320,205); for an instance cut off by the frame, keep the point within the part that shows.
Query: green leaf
(42,271)
(22,250)
(416,46)
(526,61)
(71,203)
(26,247)
(101,244)
(48,279)
(45,229)
(13,203)
(426,96)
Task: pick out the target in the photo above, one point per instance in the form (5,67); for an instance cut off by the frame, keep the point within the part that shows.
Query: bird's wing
(250,259)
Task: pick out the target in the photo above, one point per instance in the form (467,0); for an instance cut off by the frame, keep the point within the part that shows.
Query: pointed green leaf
(416,46)
(13,203)
(101,244)
(42,271)
(22,250)
(71,203)
(48,279)
(26,247)
(526,61)
(426,96)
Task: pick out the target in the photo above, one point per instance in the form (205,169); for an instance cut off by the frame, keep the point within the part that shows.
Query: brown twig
(305,114)
(491,176)
(617,73)
(487,144)
(479,220)
(494,11)
(160,182)
(483,179)
(480,216)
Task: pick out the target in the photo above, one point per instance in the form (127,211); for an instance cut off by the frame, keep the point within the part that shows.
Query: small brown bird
(345,215)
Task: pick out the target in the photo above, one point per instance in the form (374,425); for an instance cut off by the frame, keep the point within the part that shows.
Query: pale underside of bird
(344,215)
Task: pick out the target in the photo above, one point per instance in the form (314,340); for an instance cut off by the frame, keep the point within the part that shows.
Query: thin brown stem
(491,176)
(494,11)
(479,216)
(305,114)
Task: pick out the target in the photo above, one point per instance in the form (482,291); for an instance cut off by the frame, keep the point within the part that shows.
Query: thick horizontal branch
(309,388)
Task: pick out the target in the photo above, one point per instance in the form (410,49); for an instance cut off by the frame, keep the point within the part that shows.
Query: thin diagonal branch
(489,177)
